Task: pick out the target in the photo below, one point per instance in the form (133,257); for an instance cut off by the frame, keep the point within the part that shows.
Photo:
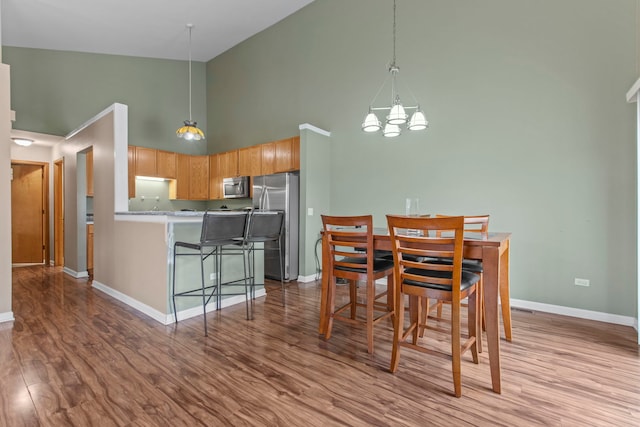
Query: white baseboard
(307,279)
(163,318)
(75,274)
(7,317)
(575,312)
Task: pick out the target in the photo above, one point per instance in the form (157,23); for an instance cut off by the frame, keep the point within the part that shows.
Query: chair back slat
(426,241)
(349,237)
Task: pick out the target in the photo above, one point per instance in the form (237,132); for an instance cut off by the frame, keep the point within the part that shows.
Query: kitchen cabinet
(90,250)
(268,158)
(156,163)
(287,152)
(89,169)
(131,166)
(229,164)
(215,180)
(183,176)
(199,178)
(165,164)
(250,161)
(145,161)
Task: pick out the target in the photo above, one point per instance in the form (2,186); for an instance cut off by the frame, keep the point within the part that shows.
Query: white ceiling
(147,28)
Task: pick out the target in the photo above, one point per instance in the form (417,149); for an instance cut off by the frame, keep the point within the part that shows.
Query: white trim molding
(574,312)
(314,129)
(7,317)
(75,274)
(161,317)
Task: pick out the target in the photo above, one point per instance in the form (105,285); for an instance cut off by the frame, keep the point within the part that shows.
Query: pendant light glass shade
(397,116)
(418,121)
(371,123)
(391,130)
(190,131)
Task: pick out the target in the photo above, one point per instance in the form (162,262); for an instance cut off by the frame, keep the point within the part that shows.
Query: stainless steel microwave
(235,188)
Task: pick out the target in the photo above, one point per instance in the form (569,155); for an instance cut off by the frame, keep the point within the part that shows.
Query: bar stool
(219,236)
(264,227)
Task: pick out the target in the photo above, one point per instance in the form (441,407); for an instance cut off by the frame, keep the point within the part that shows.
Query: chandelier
(190,131)
(397,112)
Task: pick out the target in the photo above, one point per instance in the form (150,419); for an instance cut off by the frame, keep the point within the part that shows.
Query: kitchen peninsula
(185,226)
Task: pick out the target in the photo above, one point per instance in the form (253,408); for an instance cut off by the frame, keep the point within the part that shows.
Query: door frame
(58,212)
(45,204)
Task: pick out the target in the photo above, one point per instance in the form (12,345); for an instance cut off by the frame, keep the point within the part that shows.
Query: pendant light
(190,131)
(397,112)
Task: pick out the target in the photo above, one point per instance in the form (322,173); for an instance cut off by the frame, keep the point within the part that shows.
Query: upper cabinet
(250,161)
(215,180)
(268,158)
(199,178)
(183,177)
(157,163)
(89,168)
(281,156)
(228,164)
(287,156)
(165,164)
(131,165)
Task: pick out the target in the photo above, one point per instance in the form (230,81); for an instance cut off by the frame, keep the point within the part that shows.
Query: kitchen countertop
(168,216)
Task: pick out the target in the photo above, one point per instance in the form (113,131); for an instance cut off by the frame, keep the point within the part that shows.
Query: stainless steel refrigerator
(280,192)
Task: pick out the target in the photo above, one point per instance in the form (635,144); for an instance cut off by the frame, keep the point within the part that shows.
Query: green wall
(529,124)
(54,92)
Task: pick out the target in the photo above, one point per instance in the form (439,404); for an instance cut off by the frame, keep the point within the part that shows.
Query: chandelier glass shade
(397,112)
(190,131)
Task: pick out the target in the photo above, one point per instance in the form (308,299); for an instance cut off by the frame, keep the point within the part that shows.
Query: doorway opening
(29,212)
(58,213)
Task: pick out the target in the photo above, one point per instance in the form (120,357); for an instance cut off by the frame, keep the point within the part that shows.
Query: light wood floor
(75,356)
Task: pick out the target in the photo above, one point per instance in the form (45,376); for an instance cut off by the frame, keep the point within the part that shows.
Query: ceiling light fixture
(190,131)
(23,141)
(397,112)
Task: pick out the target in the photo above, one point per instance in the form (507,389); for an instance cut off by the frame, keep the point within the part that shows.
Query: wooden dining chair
(351,257)
(432,280)
(473,224)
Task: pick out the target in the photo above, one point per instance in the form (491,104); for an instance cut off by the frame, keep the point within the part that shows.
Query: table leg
(324,294)
(504,292)
(491,276)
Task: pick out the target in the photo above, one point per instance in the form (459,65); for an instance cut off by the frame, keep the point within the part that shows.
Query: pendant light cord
(190,28)
(394,34)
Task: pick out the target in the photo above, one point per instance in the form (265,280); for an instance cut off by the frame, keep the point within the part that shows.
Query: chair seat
(379,264)
(472,265)
(468,279)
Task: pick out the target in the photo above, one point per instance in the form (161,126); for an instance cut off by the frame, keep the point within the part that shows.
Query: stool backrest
(264,226)
(223,228)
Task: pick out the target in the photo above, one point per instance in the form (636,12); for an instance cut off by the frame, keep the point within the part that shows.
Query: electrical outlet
(581,282)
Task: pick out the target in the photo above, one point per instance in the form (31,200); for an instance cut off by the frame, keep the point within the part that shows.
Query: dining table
(492,249)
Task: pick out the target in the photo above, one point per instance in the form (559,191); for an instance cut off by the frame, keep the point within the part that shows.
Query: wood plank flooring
(76,357)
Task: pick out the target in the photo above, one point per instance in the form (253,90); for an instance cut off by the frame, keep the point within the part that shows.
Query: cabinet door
(295,147)
(89,166)
(284,155)
(182,176)
(215,181)
(131,165)
(250,161)
(199,178)
(268,158)
(145,161)
(166,164)
(229,164)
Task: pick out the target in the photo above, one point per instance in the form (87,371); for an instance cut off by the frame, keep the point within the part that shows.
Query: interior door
(27,214)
